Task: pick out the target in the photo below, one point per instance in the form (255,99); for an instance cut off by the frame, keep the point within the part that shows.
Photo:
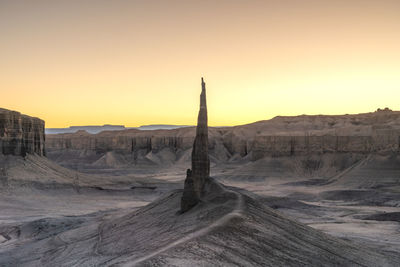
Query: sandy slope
(50,218)
(227,228)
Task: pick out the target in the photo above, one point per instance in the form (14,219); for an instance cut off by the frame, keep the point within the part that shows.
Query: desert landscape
(200,133)
(305,190)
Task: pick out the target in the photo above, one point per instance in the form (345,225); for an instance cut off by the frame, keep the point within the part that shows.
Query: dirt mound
(110,159)
(226,228)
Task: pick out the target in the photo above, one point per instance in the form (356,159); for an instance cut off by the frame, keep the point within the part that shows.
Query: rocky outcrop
(300,145)
(122,141)
(280,136)
(200,172)
(21,134)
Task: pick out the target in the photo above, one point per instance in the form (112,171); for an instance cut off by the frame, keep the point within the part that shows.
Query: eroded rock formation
(280,136)
(21,134)
(196,177)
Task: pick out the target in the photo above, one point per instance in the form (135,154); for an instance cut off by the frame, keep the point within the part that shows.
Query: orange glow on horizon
(140,62)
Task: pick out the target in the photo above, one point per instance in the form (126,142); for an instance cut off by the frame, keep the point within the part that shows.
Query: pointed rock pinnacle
(196,177)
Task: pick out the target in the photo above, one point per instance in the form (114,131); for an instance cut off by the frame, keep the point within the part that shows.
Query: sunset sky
(140,62)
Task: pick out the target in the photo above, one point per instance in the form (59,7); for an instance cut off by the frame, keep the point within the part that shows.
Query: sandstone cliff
(280,136)
(21,134)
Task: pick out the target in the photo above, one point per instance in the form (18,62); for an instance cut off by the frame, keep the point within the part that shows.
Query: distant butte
(200,172)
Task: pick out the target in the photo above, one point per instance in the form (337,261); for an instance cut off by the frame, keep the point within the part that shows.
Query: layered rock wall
(123,141)
(281,136)
(300,145)
(21,134)
(295,145)
(257,146)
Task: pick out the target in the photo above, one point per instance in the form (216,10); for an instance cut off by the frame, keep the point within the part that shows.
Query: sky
(134,63)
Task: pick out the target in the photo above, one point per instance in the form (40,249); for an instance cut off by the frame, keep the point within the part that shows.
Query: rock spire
(196,177)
